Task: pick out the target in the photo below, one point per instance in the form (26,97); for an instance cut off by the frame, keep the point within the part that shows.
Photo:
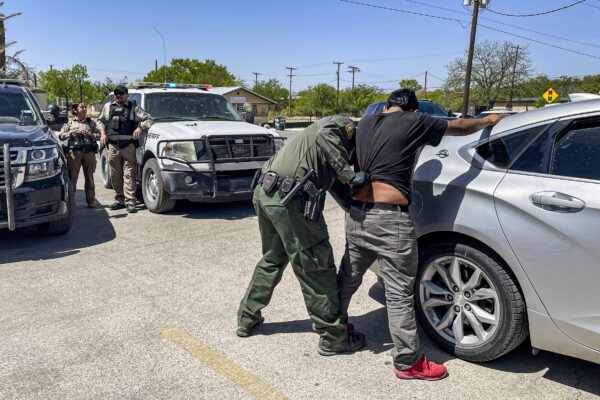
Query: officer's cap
(121,89)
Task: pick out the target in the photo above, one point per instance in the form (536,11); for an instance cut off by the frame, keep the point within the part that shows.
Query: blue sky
(118,38)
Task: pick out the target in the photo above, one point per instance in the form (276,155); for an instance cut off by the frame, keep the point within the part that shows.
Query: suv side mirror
(450,113)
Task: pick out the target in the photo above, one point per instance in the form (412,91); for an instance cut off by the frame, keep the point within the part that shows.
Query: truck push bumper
(208,186)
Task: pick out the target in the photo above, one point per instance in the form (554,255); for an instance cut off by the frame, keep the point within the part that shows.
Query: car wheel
(468,302)
(155,196)
(105,169)
(63,225)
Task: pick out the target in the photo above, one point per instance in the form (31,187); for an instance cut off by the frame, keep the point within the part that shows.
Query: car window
(16,108)
(432,109)
(137,97)
(190,106)
(577,154)
(370,110)
(503,151)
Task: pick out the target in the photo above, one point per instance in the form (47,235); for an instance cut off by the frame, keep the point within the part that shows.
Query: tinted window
(137,97)
(370,110)
(190,106)
(503,151)
(577,154)
(16,108)
(433,109)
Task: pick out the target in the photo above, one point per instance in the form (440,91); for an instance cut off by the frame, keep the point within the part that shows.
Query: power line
(536,14)
(484,26)
(507,24)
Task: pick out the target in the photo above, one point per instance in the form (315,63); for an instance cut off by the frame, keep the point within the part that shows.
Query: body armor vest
(121,121)
(82,142)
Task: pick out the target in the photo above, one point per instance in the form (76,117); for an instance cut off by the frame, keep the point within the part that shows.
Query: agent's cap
(121,89)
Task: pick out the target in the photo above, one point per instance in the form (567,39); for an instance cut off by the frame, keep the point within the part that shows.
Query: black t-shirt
(387,143)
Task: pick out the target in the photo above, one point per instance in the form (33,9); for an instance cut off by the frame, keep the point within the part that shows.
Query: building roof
(228,89)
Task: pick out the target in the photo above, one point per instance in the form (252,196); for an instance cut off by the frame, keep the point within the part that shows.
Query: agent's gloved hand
(361,179)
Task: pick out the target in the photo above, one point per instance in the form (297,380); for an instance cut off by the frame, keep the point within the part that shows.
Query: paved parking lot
(143,306)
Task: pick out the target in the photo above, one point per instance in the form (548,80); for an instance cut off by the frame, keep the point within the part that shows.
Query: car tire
(155,196)
(498,295)
(63,225)
(105,169)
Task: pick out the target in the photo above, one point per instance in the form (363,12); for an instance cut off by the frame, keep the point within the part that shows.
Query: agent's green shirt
(323,147)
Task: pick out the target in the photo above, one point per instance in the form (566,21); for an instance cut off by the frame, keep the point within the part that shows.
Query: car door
(548,205)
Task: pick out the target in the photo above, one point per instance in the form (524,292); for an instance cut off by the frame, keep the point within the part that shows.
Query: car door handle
(555,201)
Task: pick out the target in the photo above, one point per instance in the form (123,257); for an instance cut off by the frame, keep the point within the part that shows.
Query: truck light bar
(143,85)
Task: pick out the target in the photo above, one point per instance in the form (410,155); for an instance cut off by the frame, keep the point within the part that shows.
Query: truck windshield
(16,108)
(190,107)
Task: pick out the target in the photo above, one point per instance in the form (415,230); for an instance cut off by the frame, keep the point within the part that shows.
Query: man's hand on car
(495,118)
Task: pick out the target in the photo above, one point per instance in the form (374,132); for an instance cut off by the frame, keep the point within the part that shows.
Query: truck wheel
(105,169)
(61,226)
(467,300)
(155,196)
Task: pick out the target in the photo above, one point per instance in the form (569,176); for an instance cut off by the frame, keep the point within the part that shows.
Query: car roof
(547,113)
(171,90)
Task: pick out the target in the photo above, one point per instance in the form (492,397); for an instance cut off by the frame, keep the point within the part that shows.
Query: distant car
(484,114)
(34,184)
(425,106)
(507,228)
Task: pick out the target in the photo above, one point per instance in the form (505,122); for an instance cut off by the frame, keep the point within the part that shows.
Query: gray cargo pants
(389,238)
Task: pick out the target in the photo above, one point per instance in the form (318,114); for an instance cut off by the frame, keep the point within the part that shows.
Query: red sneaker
(423,369)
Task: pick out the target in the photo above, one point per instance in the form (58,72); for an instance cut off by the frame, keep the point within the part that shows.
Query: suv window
(577,154)
(190,106)
(17,108)
(503,151)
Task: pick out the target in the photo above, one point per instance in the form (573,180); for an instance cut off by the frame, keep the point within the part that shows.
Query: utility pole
(34,80)
(512,82)
(353,70)
(51,65)
(290,103)
(80,92)
(337,103)
(425,87)
(256,74)
(155,65)
(476,5)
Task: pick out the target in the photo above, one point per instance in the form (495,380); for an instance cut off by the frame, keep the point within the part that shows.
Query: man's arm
(101,125)
(145,121)
(337,156)
(463,127)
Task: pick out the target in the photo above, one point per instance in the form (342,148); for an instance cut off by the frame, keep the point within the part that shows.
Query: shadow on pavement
(225,210)
(580,374)
(91,226)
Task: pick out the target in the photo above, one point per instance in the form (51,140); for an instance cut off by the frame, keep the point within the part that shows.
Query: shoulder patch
(350,131)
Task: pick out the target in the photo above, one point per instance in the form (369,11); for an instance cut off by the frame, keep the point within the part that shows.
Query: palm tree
(10,66)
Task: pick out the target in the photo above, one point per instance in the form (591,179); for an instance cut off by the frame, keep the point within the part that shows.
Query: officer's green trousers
(287,237)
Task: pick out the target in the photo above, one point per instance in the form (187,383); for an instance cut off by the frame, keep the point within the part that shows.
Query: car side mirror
(50,118)
(450,113)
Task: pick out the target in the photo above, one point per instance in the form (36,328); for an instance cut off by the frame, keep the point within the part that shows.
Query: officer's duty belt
(277,185)
(366,206)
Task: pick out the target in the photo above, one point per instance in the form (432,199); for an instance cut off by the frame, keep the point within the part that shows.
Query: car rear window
(503,151)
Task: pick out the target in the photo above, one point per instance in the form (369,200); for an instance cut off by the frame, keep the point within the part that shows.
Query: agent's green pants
(287,237)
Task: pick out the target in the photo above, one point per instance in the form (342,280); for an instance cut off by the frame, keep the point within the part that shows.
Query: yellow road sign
(550,95)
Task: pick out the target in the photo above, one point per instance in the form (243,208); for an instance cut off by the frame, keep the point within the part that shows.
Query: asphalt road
(143,306)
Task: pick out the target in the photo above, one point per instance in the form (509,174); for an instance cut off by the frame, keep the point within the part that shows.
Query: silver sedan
(509,238)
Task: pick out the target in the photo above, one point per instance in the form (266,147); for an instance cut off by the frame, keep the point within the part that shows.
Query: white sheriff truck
(198,149)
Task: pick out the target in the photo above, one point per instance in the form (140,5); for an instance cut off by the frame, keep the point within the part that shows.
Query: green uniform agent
(288,237)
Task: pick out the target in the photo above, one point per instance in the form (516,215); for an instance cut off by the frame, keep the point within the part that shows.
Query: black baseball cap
(121,89)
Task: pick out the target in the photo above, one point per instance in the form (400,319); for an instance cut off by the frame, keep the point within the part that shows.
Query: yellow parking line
(244,379)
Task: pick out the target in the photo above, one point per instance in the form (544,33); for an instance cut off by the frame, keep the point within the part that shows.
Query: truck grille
(13,157)
(241,147)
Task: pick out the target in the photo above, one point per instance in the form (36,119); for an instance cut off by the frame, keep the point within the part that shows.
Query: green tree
(273,90)
(65,84)
(356,101)
(411,84)
(591,84)
(185,70)
(492,71)
(319,100)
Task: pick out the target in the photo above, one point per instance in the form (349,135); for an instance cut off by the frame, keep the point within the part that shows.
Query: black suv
(34,182)
(425,106)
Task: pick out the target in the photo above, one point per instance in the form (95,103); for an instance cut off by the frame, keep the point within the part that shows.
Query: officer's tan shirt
(141,116)
(76,125)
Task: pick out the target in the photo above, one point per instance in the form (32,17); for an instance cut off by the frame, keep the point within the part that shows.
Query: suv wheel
(468,302)
(105,169)
(63,225)
(155,196)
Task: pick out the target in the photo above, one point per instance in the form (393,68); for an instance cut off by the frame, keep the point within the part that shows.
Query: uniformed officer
(294,233)
(81,135)
(120,124)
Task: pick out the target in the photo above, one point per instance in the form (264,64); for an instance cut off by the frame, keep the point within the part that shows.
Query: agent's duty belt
(366,206)
(262,177)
